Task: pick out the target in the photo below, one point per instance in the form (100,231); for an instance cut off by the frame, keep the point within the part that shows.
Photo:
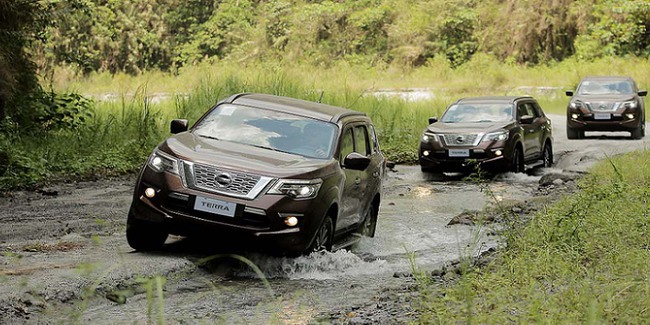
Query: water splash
(316,266)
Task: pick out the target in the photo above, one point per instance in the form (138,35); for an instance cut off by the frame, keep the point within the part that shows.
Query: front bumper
(259,221)
(440,160)
(610,121)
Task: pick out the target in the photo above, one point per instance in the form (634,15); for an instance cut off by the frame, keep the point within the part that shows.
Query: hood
(484,127)
(245,158)
(604,98)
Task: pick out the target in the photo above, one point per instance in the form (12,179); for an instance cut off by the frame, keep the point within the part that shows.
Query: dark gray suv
(500,133)
(289,175)
(606,103)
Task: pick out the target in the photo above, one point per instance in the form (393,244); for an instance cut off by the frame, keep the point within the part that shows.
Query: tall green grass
(123,132)
(584,259)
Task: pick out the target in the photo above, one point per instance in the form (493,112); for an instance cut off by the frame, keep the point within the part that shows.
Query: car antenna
(321,96)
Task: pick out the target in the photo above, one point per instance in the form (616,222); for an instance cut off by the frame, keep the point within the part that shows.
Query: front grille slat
(208,178)
(457,140)
(602,106)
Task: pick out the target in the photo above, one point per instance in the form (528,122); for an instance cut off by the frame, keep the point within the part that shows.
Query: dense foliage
(21,23)
(131,36)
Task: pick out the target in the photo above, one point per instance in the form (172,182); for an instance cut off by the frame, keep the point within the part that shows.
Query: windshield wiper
(209,137)
(265,147)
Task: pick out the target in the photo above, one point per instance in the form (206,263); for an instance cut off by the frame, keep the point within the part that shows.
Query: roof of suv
(508,99)
(607,78)
(292,105)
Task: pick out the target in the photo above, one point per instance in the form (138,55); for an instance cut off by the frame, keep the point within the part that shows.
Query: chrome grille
(602,106)
(212,179)
(458,140)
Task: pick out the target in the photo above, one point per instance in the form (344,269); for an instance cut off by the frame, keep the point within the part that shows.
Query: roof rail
(234,97)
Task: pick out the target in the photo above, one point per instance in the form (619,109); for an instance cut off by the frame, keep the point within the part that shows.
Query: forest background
(58,53)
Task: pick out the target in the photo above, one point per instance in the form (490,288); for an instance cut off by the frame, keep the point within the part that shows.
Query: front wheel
(369,224)
(144,236)
(639,132)
(547,156)
(517,161)
(574,134)
(324,237)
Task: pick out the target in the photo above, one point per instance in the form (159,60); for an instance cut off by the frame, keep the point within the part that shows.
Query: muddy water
(44,281)
(363,283)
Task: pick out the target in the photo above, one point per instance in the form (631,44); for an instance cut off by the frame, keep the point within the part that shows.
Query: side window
(375,142)
(521,110)
(529,109)
(347,144)
(526,109)
(537,109)
(362,145)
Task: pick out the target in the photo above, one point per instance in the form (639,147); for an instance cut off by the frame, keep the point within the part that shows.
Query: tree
(21,22)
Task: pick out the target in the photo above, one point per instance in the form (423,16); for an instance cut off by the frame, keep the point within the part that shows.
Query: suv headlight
(428,136)
(629,104)
(496,136)
(576,105)
(160,162)
(297,188)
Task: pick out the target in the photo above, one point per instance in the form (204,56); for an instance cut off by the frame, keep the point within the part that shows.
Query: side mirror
(178,126)
(642,93)
(569,93)
(433,120)
(356,161)
(526,119)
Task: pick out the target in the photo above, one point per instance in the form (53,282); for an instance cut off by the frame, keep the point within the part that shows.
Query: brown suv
(497,133)
(606,104)
(289,174)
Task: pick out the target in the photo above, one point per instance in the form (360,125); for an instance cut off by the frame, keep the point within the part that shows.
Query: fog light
(498,153)
(291,221)
(574,116)
(149,192)
(630,116)
(425,153)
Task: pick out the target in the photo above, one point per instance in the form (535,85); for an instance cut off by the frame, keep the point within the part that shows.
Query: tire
(144,236)
(517,161)
(369,225)
(547,156)
(324,237)
(574,134)
(639,132)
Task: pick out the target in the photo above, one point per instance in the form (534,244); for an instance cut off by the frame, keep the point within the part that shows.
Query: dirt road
(65,259)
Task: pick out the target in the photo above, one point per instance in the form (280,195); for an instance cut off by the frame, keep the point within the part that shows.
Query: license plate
(458,152)
(215,206)
(602,116)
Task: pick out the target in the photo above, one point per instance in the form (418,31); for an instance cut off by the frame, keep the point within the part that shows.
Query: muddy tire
(574,134)
(144,236)
(369,225)
(324,237)
(639,132)
(517,161)
(547,156)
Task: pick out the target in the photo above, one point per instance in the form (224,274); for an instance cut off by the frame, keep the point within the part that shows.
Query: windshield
(605,87)
(478,112)
(269,129)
